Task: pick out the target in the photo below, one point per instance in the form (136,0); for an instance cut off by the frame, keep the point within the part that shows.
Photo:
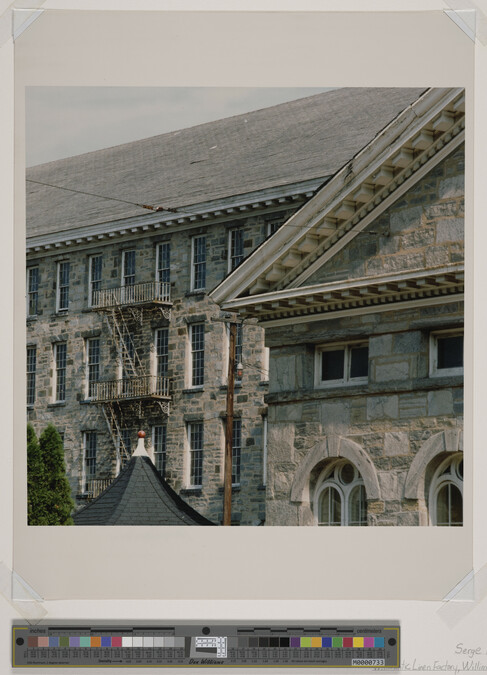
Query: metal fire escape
(124,309)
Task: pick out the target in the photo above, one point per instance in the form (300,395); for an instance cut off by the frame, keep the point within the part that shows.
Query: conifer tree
(56,492)
(35,484)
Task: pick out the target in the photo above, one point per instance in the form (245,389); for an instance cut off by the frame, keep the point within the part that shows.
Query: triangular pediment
(302,252)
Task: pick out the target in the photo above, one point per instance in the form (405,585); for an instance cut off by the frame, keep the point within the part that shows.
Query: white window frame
(124,264)
(272,224)
(88,342)
(31,371)
(265,363)
(194,263)
(160,269)
(156,359)
(231,234)
(441,479)
(191,355)
(434,371)
(328,478)
(92,281)
(56,370)
(190,450)
(163,452)
(58,286)
(35,293)
(84,474)
(237,421)
(346,380)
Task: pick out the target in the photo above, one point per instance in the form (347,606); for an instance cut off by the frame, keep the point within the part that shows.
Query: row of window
(339,364)
(196,335)
(195,447)
(340,497)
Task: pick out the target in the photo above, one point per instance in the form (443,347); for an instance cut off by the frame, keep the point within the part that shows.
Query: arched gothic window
(446,493)
(340,497)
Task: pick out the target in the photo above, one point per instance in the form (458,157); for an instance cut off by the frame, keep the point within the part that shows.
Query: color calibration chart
(333,645)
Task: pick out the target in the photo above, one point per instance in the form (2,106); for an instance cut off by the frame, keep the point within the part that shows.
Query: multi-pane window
(125,443)
(197,341)
(236,451)
(342,364)
(164,263)
(195,442)
(159,442)
(89,464)
(162,351)
(340,497)
(92,365)
(31,374)
(446,353)
(128,268)
(63,286)
(95,278)
(60,353)
(32,290)
(273,227)
(446,493)
(235,249)
(198,264)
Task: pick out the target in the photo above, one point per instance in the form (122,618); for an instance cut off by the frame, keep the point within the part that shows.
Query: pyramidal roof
(139,496)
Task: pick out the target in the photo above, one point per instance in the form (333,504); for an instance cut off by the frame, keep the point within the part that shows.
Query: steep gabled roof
(293,142)
(410,146)
(139,496)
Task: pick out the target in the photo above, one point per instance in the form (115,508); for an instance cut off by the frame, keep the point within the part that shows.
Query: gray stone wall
(77,415)
(423,229)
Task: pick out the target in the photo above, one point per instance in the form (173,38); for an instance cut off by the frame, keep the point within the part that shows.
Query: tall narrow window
(125,446)
(60,353)
(238,351)
(162,351)
(128,364)
(236,451)
(273,227)
(159,441)
(128,268)
(164,263)
(89,463)
(62,286)
(95,278)
(31,374)
(195,439)
(92,365)
(198,267)
(235,249)
(197,340)
(32,290)
(446,493)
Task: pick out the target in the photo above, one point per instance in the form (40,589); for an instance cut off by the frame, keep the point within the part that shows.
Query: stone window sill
(57,404)
(191,491)
(200,291)
(193,390)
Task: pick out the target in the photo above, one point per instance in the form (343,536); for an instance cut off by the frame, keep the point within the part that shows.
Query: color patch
(96,641)
(64,642)
(305,642)
(263,642)
(32,641)
(358,642)
(337,642)
(127,641)
(137,641)
(148,641)
(274,642)
(85,641)
(368,642)
(326,642)
(347,642)
(295,642)
(284,642)
(74,641)
(116,641)
(106,641)
(179,642)
(159,641)
(253,642)
(43,642)
(379,642)
(316,642)
(53,641)
(168,642)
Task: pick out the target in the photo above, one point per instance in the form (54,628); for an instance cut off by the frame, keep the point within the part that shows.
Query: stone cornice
(364,294)
(396,159)
(197,215)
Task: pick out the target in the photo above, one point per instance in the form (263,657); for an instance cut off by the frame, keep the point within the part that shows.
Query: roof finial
(140,450)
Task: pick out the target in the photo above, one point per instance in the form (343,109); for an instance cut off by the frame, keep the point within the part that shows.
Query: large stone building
(361,297)
(124,244)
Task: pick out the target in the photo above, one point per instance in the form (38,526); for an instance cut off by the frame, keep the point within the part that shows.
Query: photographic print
(253,317)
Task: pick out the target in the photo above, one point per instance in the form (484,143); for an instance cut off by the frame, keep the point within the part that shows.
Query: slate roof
(139,496)
(285,144)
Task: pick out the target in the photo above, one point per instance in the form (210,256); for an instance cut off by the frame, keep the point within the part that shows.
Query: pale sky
(66,121)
